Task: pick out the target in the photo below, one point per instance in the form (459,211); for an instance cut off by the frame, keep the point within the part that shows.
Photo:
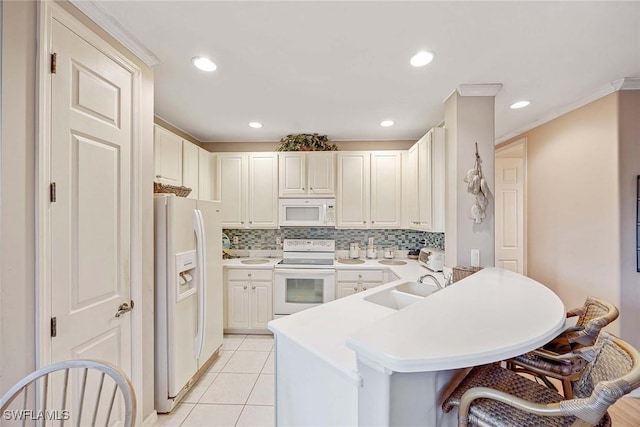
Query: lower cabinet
(348,282)
(249,299)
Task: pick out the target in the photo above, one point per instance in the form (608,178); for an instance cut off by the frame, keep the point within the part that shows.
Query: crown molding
(486,89)
(108,23)
(627,83)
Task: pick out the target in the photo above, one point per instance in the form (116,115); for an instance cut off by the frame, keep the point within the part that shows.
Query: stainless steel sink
(254,261)
(392,262)
(350,261)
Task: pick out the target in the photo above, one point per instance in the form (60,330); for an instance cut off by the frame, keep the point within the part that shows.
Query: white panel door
(232,188)
(91,128)
(509,197)
(352,201)
(386,189)
(292,173)
(190,174)
(167,157)
(263,190)
(321,174)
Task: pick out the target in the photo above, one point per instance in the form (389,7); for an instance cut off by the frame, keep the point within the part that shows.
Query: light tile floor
(236,392)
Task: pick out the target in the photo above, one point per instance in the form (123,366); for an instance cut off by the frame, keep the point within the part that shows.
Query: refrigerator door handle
(198,225)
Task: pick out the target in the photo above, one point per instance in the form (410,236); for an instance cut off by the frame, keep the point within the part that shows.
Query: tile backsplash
(400,239)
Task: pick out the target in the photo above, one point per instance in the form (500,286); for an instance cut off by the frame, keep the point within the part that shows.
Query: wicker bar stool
(545,363)
(494,396)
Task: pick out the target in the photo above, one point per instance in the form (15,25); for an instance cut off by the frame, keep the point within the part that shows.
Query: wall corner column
(469,119)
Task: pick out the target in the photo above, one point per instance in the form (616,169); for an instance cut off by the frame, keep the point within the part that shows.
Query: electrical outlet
(235,240)
(475,258)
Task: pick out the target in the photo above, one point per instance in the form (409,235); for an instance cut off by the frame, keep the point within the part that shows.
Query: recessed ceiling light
(386,123)
(255,125)
(520,104)
(205,64)
(421,59)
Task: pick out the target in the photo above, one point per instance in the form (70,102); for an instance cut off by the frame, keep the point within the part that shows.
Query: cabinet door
(205,179)
(190,160)
(386,189)
(352,201)
(424,181)
(231,188)
(261,304)
(167,157)
(238,304)
(344,289)
(292,174)
(411,188)
(263,190)
(321,174)
(437,179)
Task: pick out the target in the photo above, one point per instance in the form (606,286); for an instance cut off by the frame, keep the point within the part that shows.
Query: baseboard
(150,420)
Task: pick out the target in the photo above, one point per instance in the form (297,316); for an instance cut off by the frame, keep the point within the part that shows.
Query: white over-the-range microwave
(307,212)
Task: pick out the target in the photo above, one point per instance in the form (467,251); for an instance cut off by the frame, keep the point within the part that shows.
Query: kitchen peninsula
(360,361)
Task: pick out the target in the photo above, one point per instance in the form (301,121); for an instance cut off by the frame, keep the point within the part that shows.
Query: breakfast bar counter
(361,361)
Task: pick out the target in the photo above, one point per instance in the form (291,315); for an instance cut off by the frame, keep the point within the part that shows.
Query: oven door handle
(306,271)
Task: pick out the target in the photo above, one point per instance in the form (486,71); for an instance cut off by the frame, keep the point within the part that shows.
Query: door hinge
(54,327)
(54,63)
(52,192)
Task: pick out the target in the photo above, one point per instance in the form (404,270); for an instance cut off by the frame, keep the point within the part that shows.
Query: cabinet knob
(158,176)
(360,276)
(302,188)
(244,287)
(364,222)
(373,222)
(250,222)
(355,288)
(253,287)
(310,188)
(364,288)
(249,274)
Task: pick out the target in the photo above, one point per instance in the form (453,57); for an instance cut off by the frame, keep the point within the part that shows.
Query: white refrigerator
(188,293)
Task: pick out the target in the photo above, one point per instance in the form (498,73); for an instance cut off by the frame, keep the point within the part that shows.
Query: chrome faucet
(447,280)
(432,277)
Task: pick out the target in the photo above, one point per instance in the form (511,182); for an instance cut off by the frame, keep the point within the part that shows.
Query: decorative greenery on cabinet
(306,142)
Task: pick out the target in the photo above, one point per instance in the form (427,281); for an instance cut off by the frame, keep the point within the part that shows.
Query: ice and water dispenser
(186,269)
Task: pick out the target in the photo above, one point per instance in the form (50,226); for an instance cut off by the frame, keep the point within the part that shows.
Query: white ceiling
(339,68)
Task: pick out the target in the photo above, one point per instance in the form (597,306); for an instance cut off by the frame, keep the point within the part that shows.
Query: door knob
(124,308)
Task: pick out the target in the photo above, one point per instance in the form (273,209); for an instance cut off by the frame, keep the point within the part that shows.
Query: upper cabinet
(424,182)
(247,185)
(190,160)
(307,174)
(182,163)
(369,193)
(167,156)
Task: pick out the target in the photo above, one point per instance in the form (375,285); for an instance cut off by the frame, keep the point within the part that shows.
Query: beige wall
(182,134)
(17,183)
(573,223)
(629,169)
(17,191)
(342,145)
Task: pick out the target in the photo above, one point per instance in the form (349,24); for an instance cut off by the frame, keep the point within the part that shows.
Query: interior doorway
(510,198)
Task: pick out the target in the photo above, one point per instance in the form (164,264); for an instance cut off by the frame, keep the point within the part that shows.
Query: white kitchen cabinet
(206,174)
(247,185)
(369,193)
(249,299)
(307,174)
(190,175)
(167,157)
(349,282)
(426,208)
(410,187)
(352,198)
(386,189)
